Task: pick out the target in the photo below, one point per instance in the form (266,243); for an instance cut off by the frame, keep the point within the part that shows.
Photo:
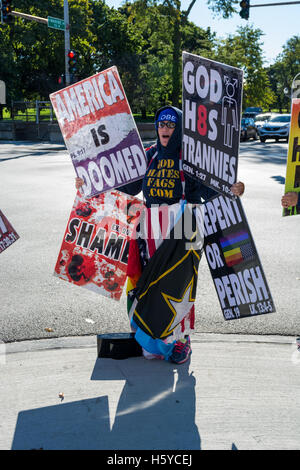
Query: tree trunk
(180,20)
(144,113)
(176,61)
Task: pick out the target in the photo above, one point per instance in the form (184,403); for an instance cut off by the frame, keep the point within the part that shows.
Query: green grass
(284,111)
(31,115)
(45,115)
(5,113)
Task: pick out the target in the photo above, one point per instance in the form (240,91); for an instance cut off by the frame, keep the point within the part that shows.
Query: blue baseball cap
(167,114)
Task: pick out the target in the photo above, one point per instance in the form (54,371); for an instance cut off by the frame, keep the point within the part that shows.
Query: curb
(90,341)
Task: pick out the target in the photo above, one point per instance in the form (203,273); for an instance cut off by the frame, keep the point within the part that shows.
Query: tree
(134,38)
(283,71)
(160,60)
(117,42)
(178,20)
(33,54)
(243,50)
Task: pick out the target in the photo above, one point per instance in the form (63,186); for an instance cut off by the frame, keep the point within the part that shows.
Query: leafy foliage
(243,50)
(133,37)
(284,70)
(225,8)
(34,54)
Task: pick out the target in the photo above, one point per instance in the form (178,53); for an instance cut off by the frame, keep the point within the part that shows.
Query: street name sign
(56,23)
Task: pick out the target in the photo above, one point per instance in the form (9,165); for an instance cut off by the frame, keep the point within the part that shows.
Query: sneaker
(181,352)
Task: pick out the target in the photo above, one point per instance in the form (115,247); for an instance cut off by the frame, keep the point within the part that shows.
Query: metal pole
(273,4)
(37,111)
(67,41)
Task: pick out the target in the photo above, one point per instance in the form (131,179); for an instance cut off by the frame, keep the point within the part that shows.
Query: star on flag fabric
(168,285)
(165,283)
(180,306)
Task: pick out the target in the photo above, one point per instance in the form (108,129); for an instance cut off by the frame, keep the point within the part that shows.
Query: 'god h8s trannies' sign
(99,132)
(212,96)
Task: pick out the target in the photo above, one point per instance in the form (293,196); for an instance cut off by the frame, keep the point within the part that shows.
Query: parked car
(248,129)
(278,127)
(261,119)
(251,112)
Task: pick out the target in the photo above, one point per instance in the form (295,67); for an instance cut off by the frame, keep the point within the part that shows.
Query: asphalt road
(36,195)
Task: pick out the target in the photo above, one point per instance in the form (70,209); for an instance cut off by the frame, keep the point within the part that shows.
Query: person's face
(164,133)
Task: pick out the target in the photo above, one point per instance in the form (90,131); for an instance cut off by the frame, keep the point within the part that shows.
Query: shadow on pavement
(279,179)
(268,152)
(156,410)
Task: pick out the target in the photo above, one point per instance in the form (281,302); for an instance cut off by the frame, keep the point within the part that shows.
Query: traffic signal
(245,5)
(6,8)
(72,62)
(61,80)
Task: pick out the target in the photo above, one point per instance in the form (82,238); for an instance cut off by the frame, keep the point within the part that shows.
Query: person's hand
(238,188)
(289,199)
(79,182)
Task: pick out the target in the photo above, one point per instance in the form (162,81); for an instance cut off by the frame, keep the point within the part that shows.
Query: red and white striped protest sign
(7,233)
(99,132)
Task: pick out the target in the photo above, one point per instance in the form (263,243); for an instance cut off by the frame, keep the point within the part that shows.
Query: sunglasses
(169,124)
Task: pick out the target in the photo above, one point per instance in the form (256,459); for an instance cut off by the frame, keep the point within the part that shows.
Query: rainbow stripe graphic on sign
(236,248)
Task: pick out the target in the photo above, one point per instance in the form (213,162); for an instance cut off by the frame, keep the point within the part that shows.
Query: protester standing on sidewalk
(164,184)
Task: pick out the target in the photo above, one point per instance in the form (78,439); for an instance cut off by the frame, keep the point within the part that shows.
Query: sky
(278,23)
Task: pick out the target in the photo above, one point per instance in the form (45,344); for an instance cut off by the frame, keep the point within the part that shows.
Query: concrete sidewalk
(236,392)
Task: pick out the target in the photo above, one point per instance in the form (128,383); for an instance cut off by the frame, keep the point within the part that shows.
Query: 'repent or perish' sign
(232,258)
(212,94)
(100,133)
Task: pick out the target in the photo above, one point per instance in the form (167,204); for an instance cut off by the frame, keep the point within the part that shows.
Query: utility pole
(52,23)
(67,41)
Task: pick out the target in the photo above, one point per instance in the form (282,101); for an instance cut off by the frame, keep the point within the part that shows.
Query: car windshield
(285,118)
(261,117)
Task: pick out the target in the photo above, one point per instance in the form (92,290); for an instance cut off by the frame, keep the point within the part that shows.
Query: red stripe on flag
(134,269)
(150,240)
